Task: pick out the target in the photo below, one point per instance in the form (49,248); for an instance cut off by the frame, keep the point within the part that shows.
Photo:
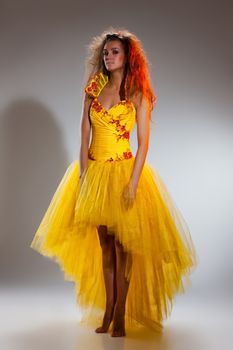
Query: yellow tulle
(152,231)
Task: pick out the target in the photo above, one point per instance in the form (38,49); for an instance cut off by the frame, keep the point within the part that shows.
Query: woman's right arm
(85,133)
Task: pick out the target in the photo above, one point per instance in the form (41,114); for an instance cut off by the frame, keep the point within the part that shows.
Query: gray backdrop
(189,47)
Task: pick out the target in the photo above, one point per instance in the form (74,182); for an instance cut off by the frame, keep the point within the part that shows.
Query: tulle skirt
(152,231)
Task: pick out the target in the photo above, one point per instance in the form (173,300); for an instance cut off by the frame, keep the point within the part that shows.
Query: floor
(39,318)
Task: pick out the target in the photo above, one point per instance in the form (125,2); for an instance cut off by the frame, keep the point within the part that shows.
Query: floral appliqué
(96,105)
(125,155)
(92,87)
(90,154)
(96,84)
(121,128)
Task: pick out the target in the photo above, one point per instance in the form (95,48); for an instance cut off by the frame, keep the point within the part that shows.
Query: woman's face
(113,55)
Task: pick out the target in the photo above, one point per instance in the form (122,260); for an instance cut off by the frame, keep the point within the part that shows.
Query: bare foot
(118,329)
(108,315)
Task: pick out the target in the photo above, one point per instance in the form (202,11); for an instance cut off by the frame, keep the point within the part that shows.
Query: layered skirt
(152,231)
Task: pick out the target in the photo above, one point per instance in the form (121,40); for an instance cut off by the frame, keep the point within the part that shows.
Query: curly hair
(136,79)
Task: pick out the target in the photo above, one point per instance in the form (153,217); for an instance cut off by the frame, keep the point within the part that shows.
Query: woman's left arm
(143,134)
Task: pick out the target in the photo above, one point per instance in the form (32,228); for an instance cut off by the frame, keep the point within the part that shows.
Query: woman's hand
(129,194)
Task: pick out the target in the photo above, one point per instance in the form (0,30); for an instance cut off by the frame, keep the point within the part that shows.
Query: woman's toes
(106,322)
(101,329)
(118,333)
(118,329)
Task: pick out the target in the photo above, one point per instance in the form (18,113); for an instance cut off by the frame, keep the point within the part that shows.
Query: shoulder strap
(96,84)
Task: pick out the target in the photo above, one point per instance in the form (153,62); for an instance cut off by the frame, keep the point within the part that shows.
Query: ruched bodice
(110,128)
(111,131)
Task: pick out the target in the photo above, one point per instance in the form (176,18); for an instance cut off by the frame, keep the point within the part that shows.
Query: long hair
(136,79)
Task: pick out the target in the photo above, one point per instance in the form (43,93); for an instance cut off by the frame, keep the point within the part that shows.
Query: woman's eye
(105,53)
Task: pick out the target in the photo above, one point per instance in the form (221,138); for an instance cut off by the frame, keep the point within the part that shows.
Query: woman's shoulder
(137,98)
(96,84)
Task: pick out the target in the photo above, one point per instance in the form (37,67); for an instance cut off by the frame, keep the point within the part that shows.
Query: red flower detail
(96,105)
(90,155)
(127,154)
(122,128)
(92,87)
(125,135)
(115,121)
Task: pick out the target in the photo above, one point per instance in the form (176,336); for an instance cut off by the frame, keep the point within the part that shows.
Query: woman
(112,224)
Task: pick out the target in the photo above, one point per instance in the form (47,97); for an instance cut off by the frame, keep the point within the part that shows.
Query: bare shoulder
(139,101)
(142,107)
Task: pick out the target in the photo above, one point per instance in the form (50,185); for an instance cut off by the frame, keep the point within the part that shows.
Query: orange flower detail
(92,87)
(124,136)
(122,128)
(90,155)
(96,105)
(127,154)
(115,121)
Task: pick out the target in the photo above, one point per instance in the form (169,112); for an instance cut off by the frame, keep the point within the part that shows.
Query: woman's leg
(122,289)
(107,242)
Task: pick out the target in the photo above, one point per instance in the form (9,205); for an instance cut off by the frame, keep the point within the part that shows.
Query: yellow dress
(152,230)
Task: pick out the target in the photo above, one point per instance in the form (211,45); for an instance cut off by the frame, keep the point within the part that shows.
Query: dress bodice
(110,127)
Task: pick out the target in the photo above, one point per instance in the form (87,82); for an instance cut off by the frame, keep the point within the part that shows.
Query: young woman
(112,225)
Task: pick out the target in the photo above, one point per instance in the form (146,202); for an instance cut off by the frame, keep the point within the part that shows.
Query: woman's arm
(143,134)
(85,134)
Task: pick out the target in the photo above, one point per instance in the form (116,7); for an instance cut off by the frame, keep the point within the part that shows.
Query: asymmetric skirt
(153,232)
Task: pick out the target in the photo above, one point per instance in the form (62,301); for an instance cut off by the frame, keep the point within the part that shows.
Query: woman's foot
(118,329)
(108,316)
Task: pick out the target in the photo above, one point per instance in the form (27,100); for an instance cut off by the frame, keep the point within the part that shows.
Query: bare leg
(122,289)
(107,243)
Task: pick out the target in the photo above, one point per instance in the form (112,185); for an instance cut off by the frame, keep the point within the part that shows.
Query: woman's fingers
(128,196)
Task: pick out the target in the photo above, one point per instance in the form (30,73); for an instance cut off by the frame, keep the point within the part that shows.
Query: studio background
(43,50)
